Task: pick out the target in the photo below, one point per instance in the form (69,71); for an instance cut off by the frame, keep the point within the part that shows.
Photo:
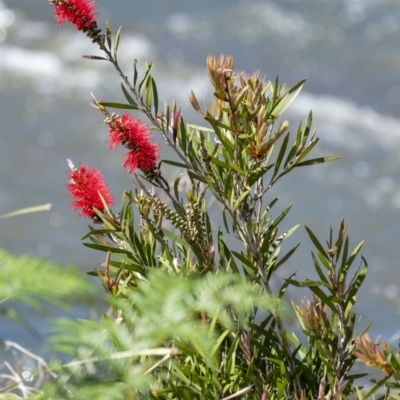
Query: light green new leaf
(28,210)
(116,42)
(108,33)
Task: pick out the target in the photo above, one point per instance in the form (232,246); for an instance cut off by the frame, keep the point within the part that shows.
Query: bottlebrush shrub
(194,316)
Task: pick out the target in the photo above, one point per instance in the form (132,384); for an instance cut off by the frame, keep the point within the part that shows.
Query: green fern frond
(165,327)
(30,279)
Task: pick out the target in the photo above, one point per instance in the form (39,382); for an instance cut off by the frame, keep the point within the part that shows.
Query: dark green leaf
(120,106)
(285,257)
(256,174)
(244,260)
(317,244)
(155,96)
(319,160)
(135,73)
(353,255)
(318,269)
(280,217)
(356,283)
(220,163)
(175,163)
(281,154)
(105,248)
(128,96)
(240,200)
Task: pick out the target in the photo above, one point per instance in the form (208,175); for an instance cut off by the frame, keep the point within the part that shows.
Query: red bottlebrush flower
(145,158)
(85,187)
(78,12)
(136,137)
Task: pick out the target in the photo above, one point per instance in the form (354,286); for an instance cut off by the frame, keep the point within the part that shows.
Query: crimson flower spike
(136,137)
(80,13)
(88,190)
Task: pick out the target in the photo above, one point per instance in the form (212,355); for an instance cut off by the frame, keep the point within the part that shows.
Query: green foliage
(164,336)
(30,279)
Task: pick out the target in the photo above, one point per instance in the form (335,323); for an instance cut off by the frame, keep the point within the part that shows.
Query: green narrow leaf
(319,160)
(106,248)
(108,33)
(135,73)
(149,93)
(325,299)
(222,164)
(245,261)
(353,255)
(176,238)
(195,177)
(174,163)
(222,137)
(155,96)
(281,154)
(316,243)
(225,220)
(120,106)
(231,355)
(182,136)
(307,129)
(284,287)
(286,257)
(96,232)
(376,387)
(223,248)
(276,91)
(280,217)
(345,253)
(256,174)
(116,42)
(90,323)
(128,96)
(147,76)
(327,264)
(219,341)
(28,210)
(284,104)
(306,151)
(294,147)
(318,269)
(356,283)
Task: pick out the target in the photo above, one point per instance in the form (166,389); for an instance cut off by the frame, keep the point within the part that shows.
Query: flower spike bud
(371,354)
(195,103)
(71,165)
(283,128)
(219,72)
(173,108)
(98,105)
(176,117)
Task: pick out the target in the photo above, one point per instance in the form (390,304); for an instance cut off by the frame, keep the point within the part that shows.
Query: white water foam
(344,123)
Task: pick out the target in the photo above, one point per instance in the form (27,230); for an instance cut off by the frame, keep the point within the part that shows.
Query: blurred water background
(348,50)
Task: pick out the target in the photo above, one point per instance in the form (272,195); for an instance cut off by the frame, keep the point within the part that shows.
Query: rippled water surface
(349,52)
